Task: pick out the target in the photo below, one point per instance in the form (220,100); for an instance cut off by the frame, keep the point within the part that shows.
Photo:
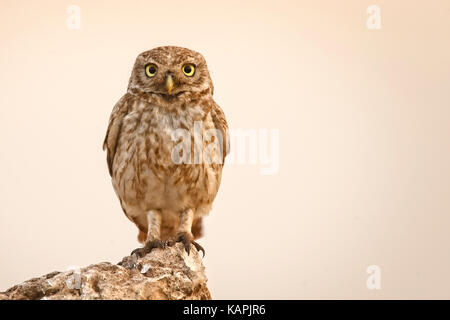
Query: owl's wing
(220,123)
(114,128)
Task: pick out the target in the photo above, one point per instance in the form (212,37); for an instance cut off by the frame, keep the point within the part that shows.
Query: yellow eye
(188,69)
(150,70)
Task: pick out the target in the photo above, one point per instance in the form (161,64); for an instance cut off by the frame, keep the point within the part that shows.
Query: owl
(166,144)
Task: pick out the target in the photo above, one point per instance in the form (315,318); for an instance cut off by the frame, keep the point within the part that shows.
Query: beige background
(364,141)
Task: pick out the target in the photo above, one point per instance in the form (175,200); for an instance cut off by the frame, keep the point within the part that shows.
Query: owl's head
(170,72)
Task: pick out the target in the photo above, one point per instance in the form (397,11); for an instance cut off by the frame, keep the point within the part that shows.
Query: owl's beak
(169,83)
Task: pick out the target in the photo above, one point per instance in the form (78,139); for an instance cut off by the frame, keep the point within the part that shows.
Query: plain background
(364,152)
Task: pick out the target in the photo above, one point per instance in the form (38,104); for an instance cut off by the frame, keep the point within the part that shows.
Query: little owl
(169,90)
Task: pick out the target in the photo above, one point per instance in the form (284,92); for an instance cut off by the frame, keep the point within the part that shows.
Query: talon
(187,247)
(199,248)
(187,239)
(149,246)
(138,252)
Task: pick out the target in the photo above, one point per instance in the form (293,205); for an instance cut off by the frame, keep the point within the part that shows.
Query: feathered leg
(184,234)
(154,234)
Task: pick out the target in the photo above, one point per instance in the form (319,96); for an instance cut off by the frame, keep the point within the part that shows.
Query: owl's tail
(197,228)
(142,236)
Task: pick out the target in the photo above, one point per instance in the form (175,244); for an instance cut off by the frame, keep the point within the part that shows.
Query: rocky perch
(168,273)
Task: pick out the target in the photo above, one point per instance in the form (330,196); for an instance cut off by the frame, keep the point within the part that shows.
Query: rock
(168,273)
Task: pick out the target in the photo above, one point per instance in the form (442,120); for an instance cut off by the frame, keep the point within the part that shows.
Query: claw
(187,247)
(199,248)
(149,246)
(187,240)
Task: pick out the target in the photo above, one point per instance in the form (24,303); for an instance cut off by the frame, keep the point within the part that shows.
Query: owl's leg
(154,234)
(184,234)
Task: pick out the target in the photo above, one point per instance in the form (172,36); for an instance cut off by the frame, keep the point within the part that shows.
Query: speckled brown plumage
(163,198)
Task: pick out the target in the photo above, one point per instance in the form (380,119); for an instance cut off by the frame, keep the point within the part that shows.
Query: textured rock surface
(168,273)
